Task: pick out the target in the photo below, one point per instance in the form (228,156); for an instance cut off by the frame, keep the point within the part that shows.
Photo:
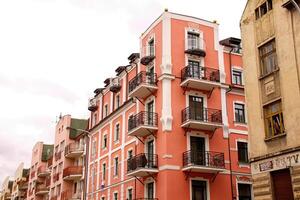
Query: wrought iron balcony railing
(200,73)
(141,78)
(143,118)
(204,159)
(202,115)
(143,160)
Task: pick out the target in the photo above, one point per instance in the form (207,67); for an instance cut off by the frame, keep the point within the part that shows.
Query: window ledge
(244,165)
(244,124)
(275,137)
(266,75)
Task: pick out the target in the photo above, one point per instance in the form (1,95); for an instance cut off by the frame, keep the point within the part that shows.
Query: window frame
(242,150)
(116,166)
(239,77)
(243,110)
(267,55)
(269,116)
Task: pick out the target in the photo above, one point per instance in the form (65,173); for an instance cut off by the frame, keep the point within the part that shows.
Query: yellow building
(271,57)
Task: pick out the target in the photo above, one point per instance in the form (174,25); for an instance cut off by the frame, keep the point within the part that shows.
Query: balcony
(55,177)
(53,197)
(57,155)
(146,199)
(115,85)
(74,150)
(205,162)
(143,85)
(92,105)
(32,174)
(201,118)
(142,165)
(41,190)
(195,46)
(200,78)
(148,54)
(73,173)
(43,171)
(142,124)
(68,195)
(50,161)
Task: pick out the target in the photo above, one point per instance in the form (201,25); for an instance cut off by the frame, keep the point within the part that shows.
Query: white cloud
(53,54)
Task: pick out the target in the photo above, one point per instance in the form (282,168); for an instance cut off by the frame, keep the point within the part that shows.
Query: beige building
(20,183)
(6,189)
(271,55)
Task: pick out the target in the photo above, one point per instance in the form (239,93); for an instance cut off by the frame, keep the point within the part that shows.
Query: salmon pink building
(171,125)
(39,177)
(68,160)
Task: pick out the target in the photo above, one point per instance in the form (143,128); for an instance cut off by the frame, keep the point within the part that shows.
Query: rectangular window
(270,5)
(274,123)
(104,142)
(94,148)
(130,154)
(102,198)
(237,78)
(239,112)
(129,195)
(151,47)
(116,166)
(116,196)
(193,41)
(118,101)
(257,16)
(94,122)
(150,190)
(62,145)
(268,58)
(242,152)
(117,132)
(263,9)
(103,171)
(244,191)
(105,110)
(58,190)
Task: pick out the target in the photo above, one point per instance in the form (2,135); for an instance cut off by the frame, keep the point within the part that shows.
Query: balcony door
(199,190)
(194,69)
(196,108)
(150,113)
(150,76)
(197,150)
(150,190)
(150,153)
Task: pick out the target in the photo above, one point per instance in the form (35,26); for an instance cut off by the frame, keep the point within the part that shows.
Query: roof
(231,42)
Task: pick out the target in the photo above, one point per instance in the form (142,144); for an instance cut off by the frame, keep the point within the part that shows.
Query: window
(116,166)
(239,112)
(242,152)
(237,78)
(102,198)
(117,132)
(263,9)
(244,191)
(129,194)
(118,101)
(104,142)
(94,148)
(151,47)
(115,196)
(274,123)
(60,167)
(150,190)
(94,119)
(105,110)
(58,190)
(130,154)
(62,145)
(268,58)
(103,171)
(193,41)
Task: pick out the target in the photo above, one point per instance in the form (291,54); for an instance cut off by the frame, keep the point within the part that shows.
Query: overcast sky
(54,53)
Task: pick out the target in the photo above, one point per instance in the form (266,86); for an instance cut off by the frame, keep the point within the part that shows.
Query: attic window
(263,9)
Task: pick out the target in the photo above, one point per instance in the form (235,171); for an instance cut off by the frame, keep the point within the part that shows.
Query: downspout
(86,165)
(228,140)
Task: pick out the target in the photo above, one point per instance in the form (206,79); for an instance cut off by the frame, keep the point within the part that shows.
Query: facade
(171,124)
(6,189)
(67,163)
(39,177)
(271,41)
(20,183)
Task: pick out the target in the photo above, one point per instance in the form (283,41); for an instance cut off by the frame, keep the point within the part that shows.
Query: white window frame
(116,107)
(115,132)
(240,69)
(243,182)
(245,111)
(194,31)
(116,193)
(103,136)
(116,167)
(197,134)
(200,179)
(196,94)
(127,192)
(149,180)
(242,165)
